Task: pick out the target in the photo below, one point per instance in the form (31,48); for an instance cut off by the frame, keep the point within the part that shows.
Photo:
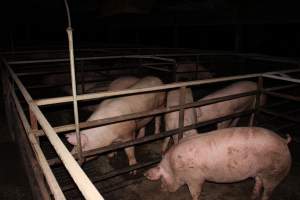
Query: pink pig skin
(172,118)
(223,156)
(221,109)
(122,131)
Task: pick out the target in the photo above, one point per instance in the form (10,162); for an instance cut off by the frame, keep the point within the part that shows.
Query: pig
(172,118)
(122,83)
(122,131)
(224,108)
(225,156)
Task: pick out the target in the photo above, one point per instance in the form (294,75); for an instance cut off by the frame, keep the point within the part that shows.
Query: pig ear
(71,137)
(153,173)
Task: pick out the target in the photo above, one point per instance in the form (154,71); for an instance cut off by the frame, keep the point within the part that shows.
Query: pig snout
(153,173)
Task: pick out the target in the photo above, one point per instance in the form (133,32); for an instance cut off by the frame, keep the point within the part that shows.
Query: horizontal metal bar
(106,121)
(281,87)
(294,80)
(114,147)
(91,58)
(80,178)
(284,96)
(287,117)
(91,96)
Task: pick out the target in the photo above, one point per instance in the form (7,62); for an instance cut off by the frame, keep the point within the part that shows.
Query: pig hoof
(111,155)
(133,173)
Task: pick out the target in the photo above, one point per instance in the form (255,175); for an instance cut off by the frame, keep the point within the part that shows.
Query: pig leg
(251,121)
(131,158)
(269,186)
(257,188)
(234,122)
(141,133)
(195,187)
(165,145)
(157,124)
(112,154)
(223,124)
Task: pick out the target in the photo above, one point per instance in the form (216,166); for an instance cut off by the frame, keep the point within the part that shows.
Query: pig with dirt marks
(122,131)
(172,118)
(224,108)
(225,156)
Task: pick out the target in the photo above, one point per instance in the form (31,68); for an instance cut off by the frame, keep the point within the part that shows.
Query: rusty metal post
(181,111)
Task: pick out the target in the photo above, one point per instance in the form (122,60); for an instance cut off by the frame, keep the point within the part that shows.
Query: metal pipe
(294,80)
(114,147)
(90,58)
(74,93)
(181,111)
(284,96)
(281,87)
(80,178)
(106,121)
(287,117)
(51,180)
(244,55)
(91,96)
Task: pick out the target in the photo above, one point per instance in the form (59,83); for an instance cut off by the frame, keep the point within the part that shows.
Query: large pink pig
(224,156)
(224,108)
(122,131)
(172,118)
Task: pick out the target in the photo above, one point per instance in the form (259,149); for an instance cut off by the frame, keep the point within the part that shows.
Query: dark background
(268,27)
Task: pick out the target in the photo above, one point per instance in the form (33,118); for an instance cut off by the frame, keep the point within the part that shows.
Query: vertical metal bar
(181,111)
(257,101)
(75,105)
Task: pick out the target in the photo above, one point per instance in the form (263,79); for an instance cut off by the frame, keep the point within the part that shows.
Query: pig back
(227,107)
(145,101)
